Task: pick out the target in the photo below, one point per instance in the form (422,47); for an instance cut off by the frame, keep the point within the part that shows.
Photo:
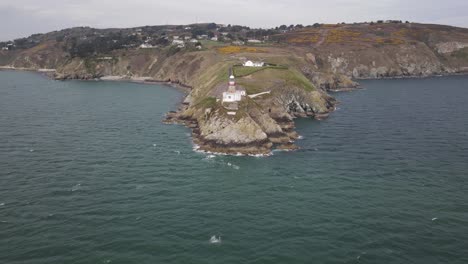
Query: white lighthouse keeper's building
(232,95)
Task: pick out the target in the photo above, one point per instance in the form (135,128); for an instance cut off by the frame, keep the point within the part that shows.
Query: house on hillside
(146,46)
(238,43)
(179,43)
(253,64)
(255,41)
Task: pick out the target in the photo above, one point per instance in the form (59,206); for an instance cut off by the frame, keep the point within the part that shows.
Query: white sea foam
(176,151)
(435,218)
(300,137)
(196,148)
(211,156)
(215,240)
(155,145)
(2,204)
(76,187)
(31,150)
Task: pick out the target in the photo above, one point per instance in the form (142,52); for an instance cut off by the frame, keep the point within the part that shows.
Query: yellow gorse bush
(238,49)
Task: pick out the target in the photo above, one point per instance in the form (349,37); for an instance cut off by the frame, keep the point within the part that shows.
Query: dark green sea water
(89,174)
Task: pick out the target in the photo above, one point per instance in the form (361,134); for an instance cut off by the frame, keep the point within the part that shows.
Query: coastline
(51,73)
(202,145)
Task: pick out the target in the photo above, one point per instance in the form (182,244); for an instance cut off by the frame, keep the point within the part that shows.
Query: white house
(254,41)
(238,43)
(179,43)
(232,95)
(253,64)
(146,46)
(4,48)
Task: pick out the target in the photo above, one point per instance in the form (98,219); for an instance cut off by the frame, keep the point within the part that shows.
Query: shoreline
(50,73)
(412,76)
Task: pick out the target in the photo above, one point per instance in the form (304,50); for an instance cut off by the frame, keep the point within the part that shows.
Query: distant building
(193,41)
(4,48)
(179,43)
(253,64)
(146,46)
(214,38)
(232,94)
(254,41)
(238,43)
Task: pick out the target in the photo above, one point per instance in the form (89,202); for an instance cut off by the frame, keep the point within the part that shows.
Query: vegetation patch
(239,49)
(389,41)
(207,102)
(264,80)
(296,78)
(241,71)
(307,38)
(341,36)
(90,65)
(461,54)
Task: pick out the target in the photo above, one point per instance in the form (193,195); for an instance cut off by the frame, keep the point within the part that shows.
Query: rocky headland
(302,65)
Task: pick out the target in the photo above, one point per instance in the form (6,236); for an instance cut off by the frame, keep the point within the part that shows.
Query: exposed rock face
(221,133)
(449,47)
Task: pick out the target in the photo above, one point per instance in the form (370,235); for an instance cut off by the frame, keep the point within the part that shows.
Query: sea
(90,174)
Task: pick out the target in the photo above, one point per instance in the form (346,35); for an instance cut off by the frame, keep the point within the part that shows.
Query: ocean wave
(77,187)
(233,166)
(215,240)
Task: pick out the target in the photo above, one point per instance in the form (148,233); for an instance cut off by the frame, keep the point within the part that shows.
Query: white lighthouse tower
(232,81)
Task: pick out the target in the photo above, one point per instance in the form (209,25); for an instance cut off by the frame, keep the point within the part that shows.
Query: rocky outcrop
(449,47)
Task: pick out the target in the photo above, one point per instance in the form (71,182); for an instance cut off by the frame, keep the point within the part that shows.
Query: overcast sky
(20,18)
